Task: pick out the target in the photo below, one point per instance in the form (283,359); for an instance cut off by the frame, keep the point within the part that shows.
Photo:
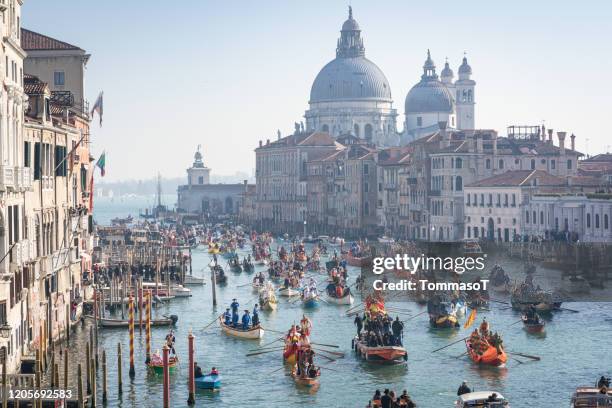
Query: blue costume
(228,317)
(246,319)
(255,317)
(235,307)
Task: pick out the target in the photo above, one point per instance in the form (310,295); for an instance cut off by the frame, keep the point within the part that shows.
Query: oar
(278,369)
(274,331)
(569,310)
(267,344)
(499,301)
(268,348)
(333,353)
(210,324)
(517,360)
(331,369)
(325,345)
(461,355)
(246,284)
(416,315)
(518,321)
(328,358)
(448,345)
(536,358)
(261,352)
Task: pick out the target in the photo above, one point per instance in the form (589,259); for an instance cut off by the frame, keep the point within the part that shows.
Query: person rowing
(227,316)
(246,320)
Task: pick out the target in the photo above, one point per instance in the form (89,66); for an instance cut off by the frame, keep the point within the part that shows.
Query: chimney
(561,136)
(260,143)
(445,142)
(267,141)
(550,134)
(543,133)
(573,141)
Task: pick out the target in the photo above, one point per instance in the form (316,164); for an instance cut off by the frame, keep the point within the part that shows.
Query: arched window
(325,128)
(526,217)
(606,222)
(588,220)
(458,183)
(488,163)
(533,164)
(501,164)
(458,163)
(368,132)
(596,220)
(356,127)
(542,217)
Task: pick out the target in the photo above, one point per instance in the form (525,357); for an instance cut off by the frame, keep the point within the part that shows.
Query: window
(356,127)
(569,164)
(368,131)
(488,164)
(542,217)
(513,200)
(482,200)
(553,164)
(458,163)
(490,200)
(26,154)
(366,208)
(325,128)
(366,169)
(37,162)
(596,220)
(533,164)
(506,200)
(588,220)
(458,184)
(419,121)
(366,187)
(200,179)
(58,78)
(526,217)
(60,161)
(501,164)
(468,201)
(606,222)
(3,313)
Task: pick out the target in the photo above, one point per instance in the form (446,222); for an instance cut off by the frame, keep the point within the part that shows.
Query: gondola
(305,381)
(110,323)
(157,365)
(347,299)
(253,333)
(533,325)
(357,260)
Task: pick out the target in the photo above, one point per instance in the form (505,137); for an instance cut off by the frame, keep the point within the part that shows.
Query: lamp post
(304,228)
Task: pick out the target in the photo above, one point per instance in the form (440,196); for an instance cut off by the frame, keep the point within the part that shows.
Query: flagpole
(70,152)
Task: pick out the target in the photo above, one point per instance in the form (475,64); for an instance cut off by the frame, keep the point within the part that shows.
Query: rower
(255,315)
(214,371)
(398,330)
(463,389)
(235,305)
(246,320)
(227,316)
(170,339)
(197,370)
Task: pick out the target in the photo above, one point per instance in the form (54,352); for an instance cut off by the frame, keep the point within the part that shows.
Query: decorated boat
(267,299)
(304,380)
(252,333)
(208,382)
(442,315)
(157,364)
(485,353)
(380,354)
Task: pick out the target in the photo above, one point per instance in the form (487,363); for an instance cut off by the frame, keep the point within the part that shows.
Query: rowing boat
(253,333)
(357,260)
(491,356)
(110,323)
(347,299)
(531,326)
(304,381)
(158,367)
(193,280)
(208,382)
(380,354)
(288,292)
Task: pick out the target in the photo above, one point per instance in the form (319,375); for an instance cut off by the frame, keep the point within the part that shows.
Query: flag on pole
(98,107)
(101,163)
(91,192)
(470,319)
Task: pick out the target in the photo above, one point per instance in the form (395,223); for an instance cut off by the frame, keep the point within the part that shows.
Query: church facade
(351,95)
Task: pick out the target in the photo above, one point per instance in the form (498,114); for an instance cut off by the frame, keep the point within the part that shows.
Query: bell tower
(465,100)
(198,174)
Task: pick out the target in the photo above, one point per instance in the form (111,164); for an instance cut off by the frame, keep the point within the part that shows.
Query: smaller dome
(350,24)
(447,72)
(465,68)
(429,96)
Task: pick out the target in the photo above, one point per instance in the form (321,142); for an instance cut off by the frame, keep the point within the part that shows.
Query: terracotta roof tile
(32,41)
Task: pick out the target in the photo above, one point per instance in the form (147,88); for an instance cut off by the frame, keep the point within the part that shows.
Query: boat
(290,353)
(288,292)
(491,356)
(180,291)
(441,313)
(499,280)
(482,399)
(357,260)
(267,301)
(526,295)
(311,301)
(193,280)
(304,381)
(380,354)
(262,262)
(208,382)
(531,325)
(253,333)
(591,397)
(577,285)
(471,248)
(157,365)
(347,299)
(257,286)
(110,323)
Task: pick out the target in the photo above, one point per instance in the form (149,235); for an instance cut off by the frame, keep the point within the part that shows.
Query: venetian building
(438,99)
(351,94)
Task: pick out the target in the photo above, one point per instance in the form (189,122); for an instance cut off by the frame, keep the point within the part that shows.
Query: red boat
(532,326)
(381,354)
(490,355)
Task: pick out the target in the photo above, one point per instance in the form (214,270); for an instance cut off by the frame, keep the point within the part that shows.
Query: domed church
(433,100)
(352,95)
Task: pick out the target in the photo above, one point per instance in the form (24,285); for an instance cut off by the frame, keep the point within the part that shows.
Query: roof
(394,156)
(517,178)
(33,85)
(599,158)
(33,41)
(302,139)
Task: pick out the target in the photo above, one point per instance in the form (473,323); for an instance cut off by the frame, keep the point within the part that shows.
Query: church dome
(350,75)
(429,95)
(465,68)
(350,78)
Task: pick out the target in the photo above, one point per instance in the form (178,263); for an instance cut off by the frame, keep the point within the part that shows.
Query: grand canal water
(575,350)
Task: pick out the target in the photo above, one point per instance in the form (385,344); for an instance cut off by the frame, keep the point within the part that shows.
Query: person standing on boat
(358,322)
(235,305)
(255,315)
(246,320)
(170,340)
(398,330)
(227,316)
(305,325)
(197,370)
(463,389)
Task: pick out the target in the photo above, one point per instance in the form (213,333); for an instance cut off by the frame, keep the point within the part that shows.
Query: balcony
(7,177)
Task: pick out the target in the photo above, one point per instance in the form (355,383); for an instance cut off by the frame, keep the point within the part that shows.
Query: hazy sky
(226,74)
